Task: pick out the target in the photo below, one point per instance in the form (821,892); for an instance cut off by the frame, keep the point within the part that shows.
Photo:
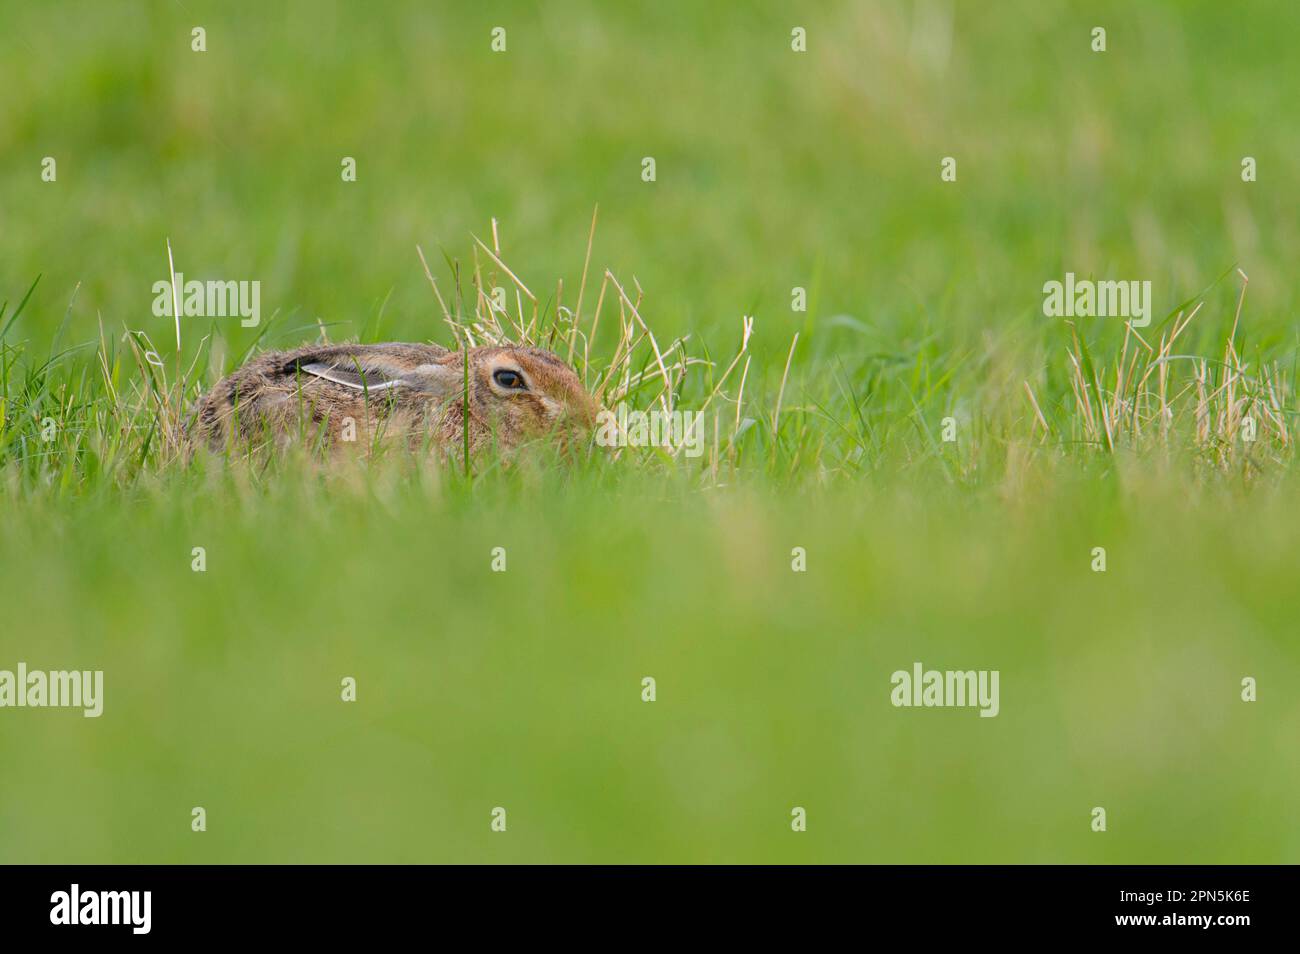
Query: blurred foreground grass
(522,689)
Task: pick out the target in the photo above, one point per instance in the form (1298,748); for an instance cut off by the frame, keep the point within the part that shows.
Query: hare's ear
(372,373)
(362,379)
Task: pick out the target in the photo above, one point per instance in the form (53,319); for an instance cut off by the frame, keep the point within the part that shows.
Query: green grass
(523,689)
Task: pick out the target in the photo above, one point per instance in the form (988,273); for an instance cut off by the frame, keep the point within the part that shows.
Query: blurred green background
(775,169)
(522,690)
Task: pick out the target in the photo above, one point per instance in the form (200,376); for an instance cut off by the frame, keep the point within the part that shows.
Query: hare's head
(523,392)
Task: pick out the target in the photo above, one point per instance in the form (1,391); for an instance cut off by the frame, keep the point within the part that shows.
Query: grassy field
(775,170)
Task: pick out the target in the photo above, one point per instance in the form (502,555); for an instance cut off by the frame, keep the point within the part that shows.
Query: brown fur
(273,397)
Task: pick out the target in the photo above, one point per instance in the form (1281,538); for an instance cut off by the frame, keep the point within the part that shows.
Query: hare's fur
(414,392)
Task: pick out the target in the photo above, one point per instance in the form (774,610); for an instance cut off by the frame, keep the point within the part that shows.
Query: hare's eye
(510,380)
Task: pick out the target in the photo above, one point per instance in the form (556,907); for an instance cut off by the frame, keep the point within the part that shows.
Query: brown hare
(409,391)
